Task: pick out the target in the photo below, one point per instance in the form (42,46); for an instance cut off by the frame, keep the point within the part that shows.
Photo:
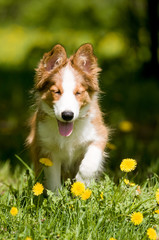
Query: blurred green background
(124,34)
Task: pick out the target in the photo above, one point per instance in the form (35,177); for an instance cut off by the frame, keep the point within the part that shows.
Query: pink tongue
(65,128)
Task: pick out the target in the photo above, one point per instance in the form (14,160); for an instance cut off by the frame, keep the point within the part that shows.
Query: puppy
(67,126)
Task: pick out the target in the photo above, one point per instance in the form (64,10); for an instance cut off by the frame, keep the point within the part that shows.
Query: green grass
(65,216)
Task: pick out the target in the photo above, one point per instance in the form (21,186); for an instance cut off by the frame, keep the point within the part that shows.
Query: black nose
(67,116)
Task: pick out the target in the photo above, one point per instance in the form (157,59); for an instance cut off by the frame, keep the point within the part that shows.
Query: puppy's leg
(91,165)
(53,176)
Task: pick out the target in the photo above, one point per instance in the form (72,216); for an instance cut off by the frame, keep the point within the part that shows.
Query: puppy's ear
(54,58)
(50,61)
(85,59)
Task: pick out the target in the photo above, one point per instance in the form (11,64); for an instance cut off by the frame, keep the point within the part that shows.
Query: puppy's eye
(79,92)
(58,92)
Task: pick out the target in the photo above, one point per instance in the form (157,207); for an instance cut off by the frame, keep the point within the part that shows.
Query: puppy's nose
(67,115)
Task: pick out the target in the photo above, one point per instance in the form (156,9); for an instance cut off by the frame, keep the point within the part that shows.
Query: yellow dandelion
(157,195)
(132,184)
(86,194)
(101,195)
(128,165)
(111,146)
(77,188)
(151,233)
(157,211)
(137,218)
(28,238)
(46,161)
(38,189)
(126,181)
(112,239)
(14,211)
(125,126)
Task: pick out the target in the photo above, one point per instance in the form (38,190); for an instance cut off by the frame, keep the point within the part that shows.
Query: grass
(106,214)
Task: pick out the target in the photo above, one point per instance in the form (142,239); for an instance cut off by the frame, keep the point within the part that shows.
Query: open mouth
(65,128)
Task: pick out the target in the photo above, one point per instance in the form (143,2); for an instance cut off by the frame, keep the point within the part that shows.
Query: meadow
(107,210)
(121,206)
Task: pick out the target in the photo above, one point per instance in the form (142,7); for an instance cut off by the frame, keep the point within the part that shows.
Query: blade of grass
(30,170)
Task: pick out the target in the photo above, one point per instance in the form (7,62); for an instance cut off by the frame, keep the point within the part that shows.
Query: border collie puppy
(67,126)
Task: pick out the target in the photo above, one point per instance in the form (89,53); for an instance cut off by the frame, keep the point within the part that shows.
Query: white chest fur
(70,148)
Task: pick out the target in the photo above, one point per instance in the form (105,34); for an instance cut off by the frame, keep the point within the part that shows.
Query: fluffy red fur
(72,153)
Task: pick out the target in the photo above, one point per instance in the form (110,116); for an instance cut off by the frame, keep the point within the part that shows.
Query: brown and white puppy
(67,126)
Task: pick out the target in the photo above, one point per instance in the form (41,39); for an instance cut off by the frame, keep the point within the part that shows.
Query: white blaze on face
(67,101)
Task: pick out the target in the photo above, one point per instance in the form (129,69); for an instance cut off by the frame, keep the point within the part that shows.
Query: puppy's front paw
(91,165)
(79,178)
(86,173)
(88,170)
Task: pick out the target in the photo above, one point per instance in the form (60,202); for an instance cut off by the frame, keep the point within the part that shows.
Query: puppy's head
(67,86)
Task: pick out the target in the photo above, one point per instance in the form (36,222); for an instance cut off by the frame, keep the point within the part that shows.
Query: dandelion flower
(125,126)
(132,184)
(137,218)
(14,211)
(86,194)
(128,165)
(157,195)
(111,146)
(112,239)
(77,188)
(46,161)
(151,233)
(157,211)
(28,238)
(38,189)
(101,195)
(126,181)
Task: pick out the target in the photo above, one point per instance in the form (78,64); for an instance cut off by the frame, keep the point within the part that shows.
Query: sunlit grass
(105,214)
